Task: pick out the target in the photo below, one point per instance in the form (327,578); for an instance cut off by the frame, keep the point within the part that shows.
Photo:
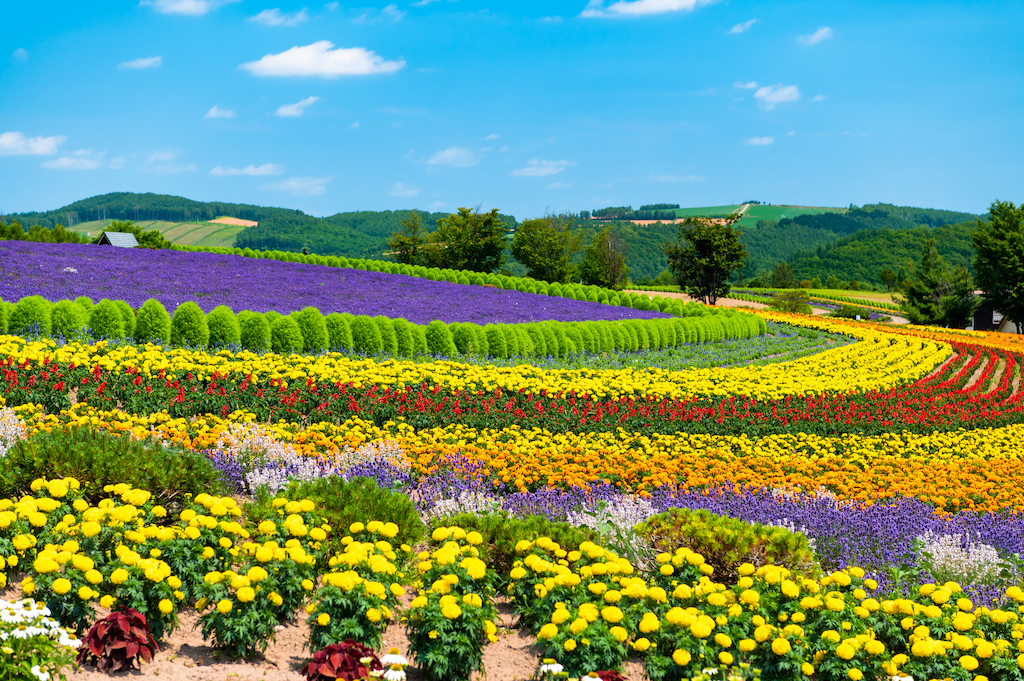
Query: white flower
(551,668)
(396,673)
(393,657)
(40,674)
(71,269)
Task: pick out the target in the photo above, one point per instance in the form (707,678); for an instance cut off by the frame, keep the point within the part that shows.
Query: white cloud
(551,20)
(823,33)
(217,112)
(296,109)
(265,169)
(79,161)
(331,6)
(559,185)
(162,163)
(769,96)
(745,26)
(401,190)
(759,141)
(423,3)
(193,8)
(21,54)
(117,163)
(301,186)
(492,137)
(676,178)
(540,168)
(459,157)
(790,133)
(275,17)
(392,12)
(16,144)
(437,204)
(635,8)
(320,59)
(745,86)
(818,98)
(142,63)
(354,125)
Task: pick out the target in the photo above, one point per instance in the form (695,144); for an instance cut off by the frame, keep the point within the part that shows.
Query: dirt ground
(184,656)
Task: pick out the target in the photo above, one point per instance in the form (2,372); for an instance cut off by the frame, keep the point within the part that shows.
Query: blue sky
(529,107)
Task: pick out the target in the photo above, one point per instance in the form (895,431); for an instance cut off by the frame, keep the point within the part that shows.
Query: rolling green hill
(184,233)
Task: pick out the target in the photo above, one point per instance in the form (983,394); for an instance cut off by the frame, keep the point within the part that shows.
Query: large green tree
(707,254)
(468,240)
(604,262)
(547,246)
(936,293)
(408,243)
(999,259)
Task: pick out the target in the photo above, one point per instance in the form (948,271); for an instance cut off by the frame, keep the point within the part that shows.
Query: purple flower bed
(66,271)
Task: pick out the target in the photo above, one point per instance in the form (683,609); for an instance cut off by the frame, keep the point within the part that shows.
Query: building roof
(120,239)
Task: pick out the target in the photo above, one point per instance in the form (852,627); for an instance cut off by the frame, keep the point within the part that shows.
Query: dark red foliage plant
(610,675)
(342,661)
(119,641)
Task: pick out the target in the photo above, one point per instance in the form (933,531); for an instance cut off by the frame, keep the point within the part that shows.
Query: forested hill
(863,240)
(360,234)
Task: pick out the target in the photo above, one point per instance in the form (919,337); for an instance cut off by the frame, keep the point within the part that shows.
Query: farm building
(119,239)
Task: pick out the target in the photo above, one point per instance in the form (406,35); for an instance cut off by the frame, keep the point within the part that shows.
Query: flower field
(884,474)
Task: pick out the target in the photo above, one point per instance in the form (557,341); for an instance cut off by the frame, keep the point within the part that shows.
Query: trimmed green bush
(253,331)
(366,337)
(86,303)
(496,345)
(524,340)
(464,338)
(67,319)
(224,327)
(272,316)
(339,334)
(388,341)
(315,337)
(128,317)
(105,320)
(188,326)
(538,344)
(152,323)
(419,339)
(403,337)
(511,340)
(552,343)
(31,315)
(439,339)
(285,335)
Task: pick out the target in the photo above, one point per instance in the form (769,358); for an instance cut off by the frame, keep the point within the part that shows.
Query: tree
(406,245)
(999,259)
(783,277)
(604,262)
(889,278)
(469,241)
(709,252)
(546,246)
(936,293)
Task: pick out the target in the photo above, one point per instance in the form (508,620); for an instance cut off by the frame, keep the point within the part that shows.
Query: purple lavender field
(66,271)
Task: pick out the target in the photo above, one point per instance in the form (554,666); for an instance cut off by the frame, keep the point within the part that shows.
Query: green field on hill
(183,233)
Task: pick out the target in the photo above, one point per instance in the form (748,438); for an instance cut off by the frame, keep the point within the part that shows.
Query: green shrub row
(309,331)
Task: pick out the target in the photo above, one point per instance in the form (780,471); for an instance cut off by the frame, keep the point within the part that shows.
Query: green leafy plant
(315,336)
(285,335)
(118,642)
(224,328)
(30,315)
(726,542)
(254,331)
(106,321)
(152,323)
(188,326)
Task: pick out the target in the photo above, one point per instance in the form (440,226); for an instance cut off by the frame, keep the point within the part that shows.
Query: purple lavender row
(66,271)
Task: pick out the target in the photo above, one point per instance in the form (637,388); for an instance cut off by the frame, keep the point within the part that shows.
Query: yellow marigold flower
(747,645)
(106,601)
(166,606)
(547,631)
(681,657)
(323,619)
(246,594)
(61,586)
(569,645)
(845,651)
(725,657)
(641,645)
(224,606)
(611,614)
(855,674)
(451,611)
(119,576)
(781,646)
(374,615)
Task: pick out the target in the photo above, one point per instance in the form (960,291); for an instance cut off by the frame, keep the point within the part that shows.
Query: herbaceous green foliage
(188,326)
(153,324)
(105,320)
(726,543)
(604,262)
(285,335)
(338,332)
(128,317)
(86,303)
(999,262)
(706,256)
(366,337)
(253,331)
(97,458)
(315,337)
(439,339)
(224,328)
(30,315)
(496,345)
(67,319)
